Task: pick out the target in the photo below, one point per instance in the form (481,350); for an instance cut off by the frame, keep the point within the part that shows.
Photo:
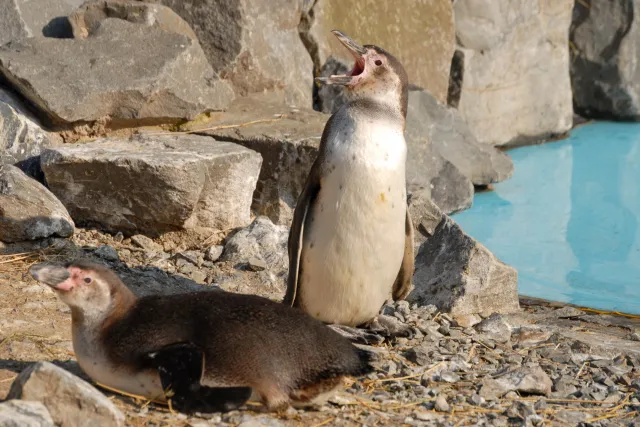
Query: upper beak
(356,50)
(48,274)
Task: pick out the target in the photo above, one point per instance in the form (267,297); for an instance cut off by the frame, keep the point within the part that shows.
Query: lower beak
(356,50)
(48,274)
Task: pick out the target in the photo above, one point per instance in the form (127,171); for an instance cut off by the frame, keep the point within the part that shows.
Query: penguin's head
(84,286)
(377,75)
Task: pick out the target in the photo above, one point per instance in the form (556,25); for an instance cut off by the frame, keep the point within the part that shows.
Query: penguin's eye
(378,62)
(87,280)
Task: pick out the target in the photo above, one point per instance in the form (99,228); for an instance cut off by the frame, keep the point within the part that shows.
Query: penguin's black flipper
(180,367)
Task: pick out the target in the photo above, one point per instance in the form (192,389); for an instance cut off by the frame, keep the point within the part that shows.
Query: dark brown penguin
(211,349)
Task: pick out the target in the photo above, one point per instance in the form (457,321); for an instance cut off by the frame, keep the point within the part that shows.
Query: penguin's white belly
(93,361)
(354,240)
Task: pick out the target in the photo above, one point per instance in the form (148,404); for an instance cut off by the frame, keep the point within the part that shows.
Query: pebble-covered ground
(548,365)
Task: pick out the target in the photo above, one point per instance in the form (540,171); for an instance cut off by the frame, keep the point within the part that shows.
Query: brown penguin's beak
(48,274)
(358,53)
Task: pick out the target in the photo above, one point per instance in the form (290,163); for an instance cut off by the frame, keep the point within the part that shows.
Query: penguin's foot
(390,327)
(357,335)
(274,399)
(316,394)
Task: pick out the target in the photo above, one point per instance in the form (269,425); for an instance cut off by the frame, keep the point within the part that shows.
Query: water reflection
(568,219)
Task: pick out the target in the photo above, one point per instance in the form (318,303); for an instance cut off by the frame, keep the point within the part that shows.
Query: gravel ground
(547,365)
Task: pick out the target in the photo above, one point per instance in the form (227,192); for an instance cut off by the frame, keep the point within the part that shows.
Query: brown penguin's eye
(87,280)
(378,62)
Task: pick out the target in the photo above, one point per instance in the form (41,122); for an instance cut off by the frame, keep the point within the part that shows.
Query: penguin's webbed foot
(357,335)
(390,327)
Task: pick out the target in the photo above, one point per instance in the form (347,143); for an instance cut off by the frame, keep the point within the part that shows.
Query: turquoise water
(569,218)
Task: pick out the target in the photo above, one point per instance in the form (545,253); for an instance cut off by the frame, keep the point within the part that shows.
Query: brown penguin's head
(86,287)
(376,75)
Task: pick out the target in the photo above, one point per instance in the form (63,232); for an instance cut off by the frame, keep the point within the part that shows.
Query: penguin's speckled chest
(355,232)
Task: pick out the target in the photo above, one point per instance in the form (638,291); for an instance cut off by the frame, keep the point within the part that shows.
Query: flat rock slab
(286,137)
(420,34)
(462,277)
(21,137)
(71,401)
(255,45)
(510,73)
(28,211)
(22,413)
(124,72)
(150,184)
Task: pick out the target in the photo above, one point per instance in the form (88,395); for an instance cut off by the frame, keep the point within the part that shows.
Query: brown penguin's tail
(353,363)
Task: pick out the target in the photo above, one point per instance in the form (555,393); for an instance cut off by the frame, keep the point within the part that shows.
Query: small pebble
(256,264)
(441,404)
(213,253)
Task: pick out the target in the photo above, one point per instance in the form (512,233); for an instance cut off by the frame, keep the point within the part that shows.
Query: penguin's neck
(385,112)
(89,321)
(392,103)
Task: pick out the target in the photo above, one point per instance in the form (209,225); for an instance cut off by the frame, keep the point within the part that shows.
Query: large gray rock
(29,18)
(453,140)
(431,174)
(125,72)
(419,34)
(71,401)
(510,73)
(87,19)
(22,413)
(460,276)
(28,211)
(605,39)
(425,217)
(262,242)
(253,44)
(288,141)
(21,137)
(154,183)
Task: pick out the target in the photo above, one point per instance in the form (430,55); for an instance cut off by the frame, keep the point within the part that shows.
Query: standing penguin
(351,241)
(206,351)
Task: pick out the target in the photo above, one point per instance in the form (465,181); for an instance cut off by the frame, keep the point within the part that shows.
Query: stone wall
(510,72)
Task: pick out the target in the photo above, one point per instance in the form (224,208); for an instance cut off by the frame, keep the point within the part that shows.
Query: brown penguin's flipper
(180,367)
(357,335)
(403,284)
(296,233)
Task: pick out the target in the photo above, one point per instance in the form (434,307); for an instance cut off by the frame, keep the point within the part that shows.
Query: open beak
(51,275)
(358,53)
